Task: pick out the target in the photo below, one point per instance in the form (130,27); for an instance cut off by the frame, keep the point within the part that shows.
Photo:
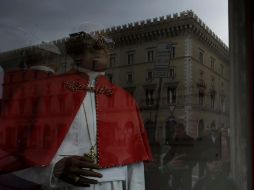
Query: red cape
(37,114)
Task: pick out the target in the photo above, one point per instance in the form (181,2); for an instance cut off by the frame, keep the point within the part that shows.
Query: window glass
(130,58)
(150,55)
(124,95)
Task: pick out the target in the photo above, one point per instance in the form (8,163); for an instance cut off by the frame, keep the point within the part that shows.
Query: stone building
(194,87)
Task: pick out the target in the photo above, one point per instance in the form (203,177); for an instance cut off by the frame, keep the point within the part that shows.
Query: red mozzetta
(37,114)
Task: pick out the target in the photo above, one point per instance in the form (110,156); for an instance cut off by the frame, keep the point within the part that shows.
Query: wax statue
(38,62)
(80,130)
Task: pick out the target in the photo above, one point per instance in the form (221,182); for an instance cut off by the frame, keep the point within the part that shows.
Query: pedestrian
(180,159)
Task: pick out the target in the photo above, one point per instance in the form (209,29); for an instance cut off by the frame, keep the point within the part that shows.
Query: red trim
(50,110)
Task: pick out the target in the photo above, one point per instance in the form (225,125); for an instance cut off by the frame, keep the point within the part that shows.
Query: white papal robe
(77,142)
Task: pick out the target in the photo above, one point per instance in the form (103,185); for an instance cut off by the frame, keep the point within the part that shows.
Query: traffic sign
(163,55)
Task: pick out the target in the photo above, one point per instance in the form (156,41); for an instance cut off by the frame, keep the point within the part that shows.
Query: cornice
(186,22)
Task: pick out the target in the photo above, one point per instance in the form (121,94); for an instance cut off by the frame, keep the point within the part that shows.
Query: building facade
(192,88)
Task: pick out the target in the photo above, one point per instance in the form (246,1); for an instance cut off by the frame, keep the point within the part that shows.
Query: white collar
(42,68)
(92,74)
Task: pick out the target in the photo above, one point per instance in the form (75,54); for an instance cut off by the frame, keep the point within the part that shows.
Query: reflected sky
(29,22)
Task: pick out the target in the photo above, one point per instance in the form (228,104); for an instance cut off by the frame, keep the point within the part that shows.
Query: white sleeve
(136,176)
(43,176)
(39,175)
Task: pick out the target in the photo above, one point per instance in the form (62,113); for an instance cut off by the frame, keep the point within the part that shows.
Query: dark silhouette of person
(215,177)
(154,176)
(212,140)
(180,159)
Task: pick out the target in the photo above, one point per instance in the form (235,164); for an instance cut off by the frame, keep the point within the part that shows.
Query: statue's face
(95,59)
(95,55)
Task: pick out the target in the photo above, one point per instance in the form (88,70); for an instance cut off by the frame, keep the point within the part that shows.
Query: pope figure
(84,134)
